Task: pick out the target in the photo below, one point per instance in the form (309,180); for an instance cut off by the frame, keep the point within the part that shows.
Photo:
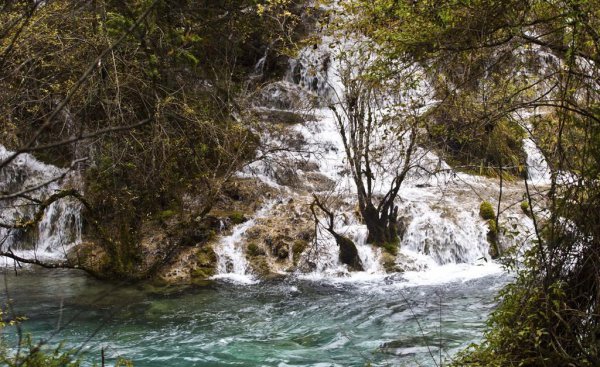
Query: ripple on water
(295,322)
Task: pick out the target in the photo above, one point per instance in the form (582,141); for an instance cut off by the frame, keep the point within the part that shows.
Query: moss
(525,208)
(486,211)
(237,217)
(165,214)
(203,273)
(254,250)
(493,227)
(492,237)
(206,261)
(388,261)
(391,248)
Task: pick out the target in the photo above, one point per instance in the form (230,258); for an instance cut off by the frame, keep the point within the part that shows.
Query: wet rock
(283,116)
(260,266)
(280,246)
(254,250)
(91,256)
(409,346)
(298,248)
(319,182)
(283,95)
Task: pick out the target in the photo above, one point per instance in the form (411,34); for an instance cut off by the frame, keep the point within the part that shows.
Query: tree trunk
(382,227)
(348,253)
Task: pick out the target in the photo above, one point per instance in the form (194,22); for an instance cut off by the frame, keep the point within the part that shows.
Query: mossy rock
(390,248)
(206,262)
(492,237)
(280,246)
(206,257)
(388,261)
(486,211)
(493,228)
(298,248)
(90,256)
(525,208)
(260,266)
(202,273)
(283,252)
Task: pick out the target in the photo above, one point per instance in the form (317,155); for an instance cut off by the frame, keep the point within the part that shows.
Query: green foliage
(486,211)
(522,331)
(174,70)
(237,218)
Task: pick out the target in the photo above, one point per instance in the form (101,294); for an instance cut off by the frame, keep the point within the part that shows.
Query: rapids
(390,321)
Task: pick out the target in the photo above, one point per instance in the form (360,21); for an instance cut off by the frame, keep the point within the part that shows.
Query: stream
(382,321)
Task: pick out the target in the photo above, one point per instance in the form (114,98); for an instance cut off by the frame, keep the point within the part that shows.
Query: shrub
(486,211)
(525,207)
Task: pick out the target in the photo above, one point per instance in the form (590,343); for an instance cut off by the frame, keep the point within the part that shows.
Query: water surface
(387,321)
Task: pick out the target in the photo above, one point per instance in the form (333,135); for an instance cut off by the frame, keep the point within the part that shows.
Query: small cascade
(537,166)
(446,237)
(326,255)
(60,227)
(313,70)
(369,255)
(231,259)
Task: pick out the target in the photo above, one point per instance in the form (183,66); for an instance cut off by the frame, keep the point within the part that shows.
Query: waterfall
(440,211)
(537,167)
(60,227)
(231,258)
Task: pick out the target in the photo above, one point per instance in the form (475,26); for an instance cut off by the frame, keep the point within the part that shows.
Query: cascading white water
(454,235)
(325,256)
(440,211)
(537,167)
(231,258)
(60,227)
